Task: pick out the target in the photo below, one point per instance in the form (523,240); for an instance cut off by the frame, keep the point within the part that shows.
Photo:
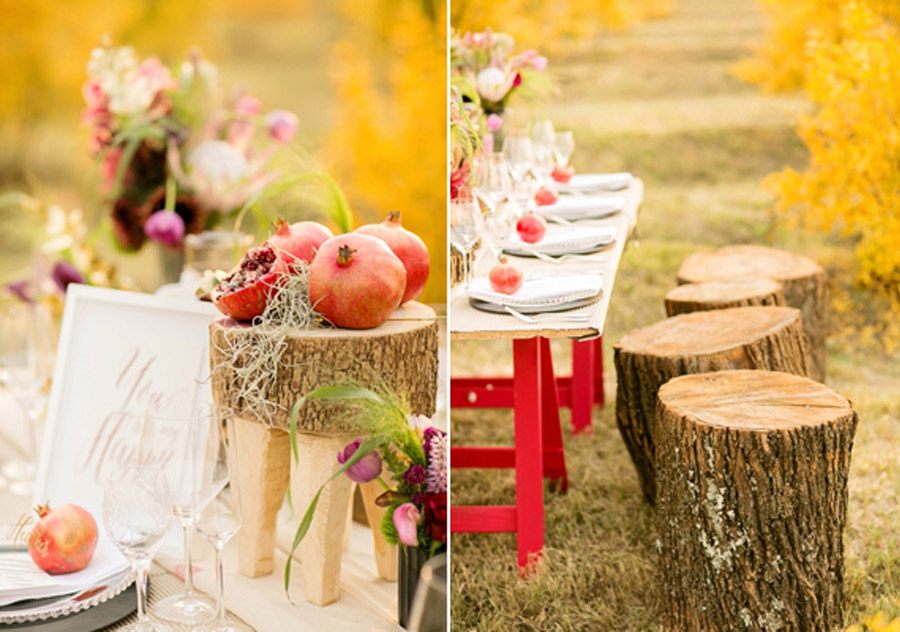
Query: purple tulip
(406,519)
(20,290)
(65,273)
(166,228)
(282,125)
(366,469)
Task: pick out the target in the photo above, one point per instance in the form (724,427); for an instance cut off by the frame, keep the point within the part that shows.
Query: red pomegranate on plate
(408,247)
(505,278)
(563,174)
(531,228)
(63,540)
(243,293)
(356,281)
(298,241)
(545,196)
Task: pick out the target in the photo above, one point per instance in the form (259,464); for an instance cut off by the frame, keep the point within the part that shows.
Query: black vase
(412,559)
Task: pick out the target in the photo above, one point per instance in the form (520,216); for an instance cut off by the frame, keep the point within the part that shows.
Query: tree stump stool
(752,501)
(802,280)
(736,338)
(400,355)
(702,297)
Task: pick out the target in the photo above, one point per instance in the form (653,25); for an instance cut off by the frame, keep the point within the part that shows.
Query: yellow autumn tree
(853,177)
(388,145)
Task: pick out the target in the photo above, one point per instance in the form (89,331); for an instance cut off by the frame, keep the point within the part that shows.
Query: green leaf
(364,449)
(292,425)
(343,393)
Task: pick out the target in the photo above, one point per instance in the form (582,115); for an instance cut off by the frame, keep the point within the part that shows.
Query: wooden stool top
(753,400)
(715,292)
(735,262)
(700,333)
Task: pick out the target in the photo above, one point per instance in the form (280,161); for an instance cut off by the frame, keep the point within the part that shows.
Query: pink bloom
(366,469)
(248,105)
(282,125)
(539,63)
(406,520)
(157,76)
(65,273)
(109,167)
(494,122)
(165,227)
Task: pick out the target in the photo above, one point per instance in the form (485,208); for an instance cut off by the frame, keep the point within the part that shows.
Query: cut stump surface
(701,297)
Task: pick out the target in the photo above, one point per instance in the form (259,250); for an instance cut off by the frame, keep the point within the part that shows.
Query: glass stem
(220,583)
(34,417)
(141,574)
(187,527)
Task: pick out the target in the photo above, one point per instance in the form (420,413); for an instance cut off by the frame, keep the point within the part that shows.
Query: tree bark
(752,501)
(737,338)
(701,297)
(803,283)
(400,355)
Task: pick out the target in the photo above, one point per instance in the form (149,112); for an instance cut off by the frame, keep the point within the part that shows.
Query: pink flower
(166,228)
(248,105)
(109,167)
(282,125)
(406,520)
(539,63)
(366,469)
(494,122)
(65,273)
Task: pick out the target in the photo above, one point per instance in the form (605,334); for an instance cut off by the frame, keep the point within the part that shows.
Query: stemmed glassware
(490,179)
(565,145)
(543,139)
(221,518)
(519,155)
(136,515)
(26,367)
(498,223)
(465,227)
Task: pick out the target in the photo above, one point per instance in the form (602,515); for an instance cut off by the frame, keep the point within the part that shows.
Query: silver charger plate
(66,605)
(521,252)
(496,308)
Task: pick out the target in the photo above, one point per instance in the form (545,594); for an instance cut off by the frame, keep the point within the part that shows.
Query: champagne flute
(136,517)
(564,143)
(221,519)
(465,225)
(519,155)
(185,474)
(26,367)
(490,180)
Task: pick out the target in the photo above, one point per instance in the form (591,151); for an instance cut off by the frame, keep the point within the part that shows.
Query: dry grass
(660,101)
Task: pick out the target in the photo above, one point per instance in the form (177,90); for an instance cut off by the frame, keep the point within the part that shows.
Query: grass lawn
(660,101)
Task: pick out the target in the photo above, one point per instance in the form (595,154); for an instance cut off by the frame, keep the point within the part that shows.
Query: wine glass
(519,155)
(185,475)
(498,222)
(543,139)
(465,225)
(26,367)
(490,179)
(565,146)
(136,516)
(221,519)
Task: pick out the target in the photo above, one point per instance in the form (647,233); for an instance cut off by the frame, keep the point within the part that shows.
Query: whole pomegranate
(505,278)
(63,540)
(243,293)
(298,241)
(408,247)
(563,174)
(355,281)
(531,228)
(545,197)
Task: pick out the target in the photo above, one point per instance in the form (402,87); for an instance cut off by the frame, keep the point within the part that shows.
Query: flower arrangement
(486,61)
(175,155)
(414,453)
(465,140)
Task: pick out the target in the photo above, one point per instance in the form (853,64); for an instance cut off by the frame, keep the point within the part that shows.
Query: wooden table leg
(321,549)
(551,428)
(529,453)
(263,472)
(599,396)
(385,554)
(583,384)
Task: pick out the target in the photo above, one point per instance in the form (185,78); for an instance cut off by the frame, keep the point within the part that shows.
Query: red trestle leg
(529,453)
(551,428)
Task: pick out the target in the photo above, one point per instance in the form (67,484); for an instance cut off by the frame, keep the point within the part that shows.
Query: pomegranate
(63,540)
(563,174)
(531,228)
(505,277)
(408,247)
(545,196)
(355,281)
(244,292)
(297,241)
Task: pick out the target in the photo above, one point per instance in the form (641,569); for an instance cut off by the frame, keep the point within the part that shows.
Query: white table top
(466,322)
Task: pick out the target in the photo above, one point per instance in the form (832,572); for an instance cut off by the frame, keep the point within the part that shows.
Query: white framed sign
(122,356)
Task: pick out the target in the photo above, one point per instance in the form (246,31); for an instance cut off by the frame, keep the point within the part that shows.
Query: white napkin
(584,207)
(595,182)
(560,240)
(545,291)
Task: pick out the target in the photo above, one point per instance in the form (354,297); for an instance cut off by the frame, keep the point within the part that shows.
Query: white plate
(52,608)
(543,292)
(583,207)
(561,240)
(561,307)
(597,182)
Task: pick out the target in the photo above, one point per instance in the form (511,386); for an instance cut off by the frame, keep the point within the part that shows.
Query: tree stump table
(752,501)
(736,338)
(401,355)
(701,297)
(802,280)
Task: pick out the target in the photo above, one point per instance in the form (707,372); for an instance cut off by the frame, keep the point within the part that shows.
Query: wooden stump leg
(346,543)
(385,554)
(321,549)
(263,475)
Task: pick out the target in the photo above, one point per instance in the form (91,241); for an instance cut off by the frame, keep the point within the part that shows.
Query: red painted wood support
(529,451)
(483,519)
(599,396)
(583,382)
(551,428)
